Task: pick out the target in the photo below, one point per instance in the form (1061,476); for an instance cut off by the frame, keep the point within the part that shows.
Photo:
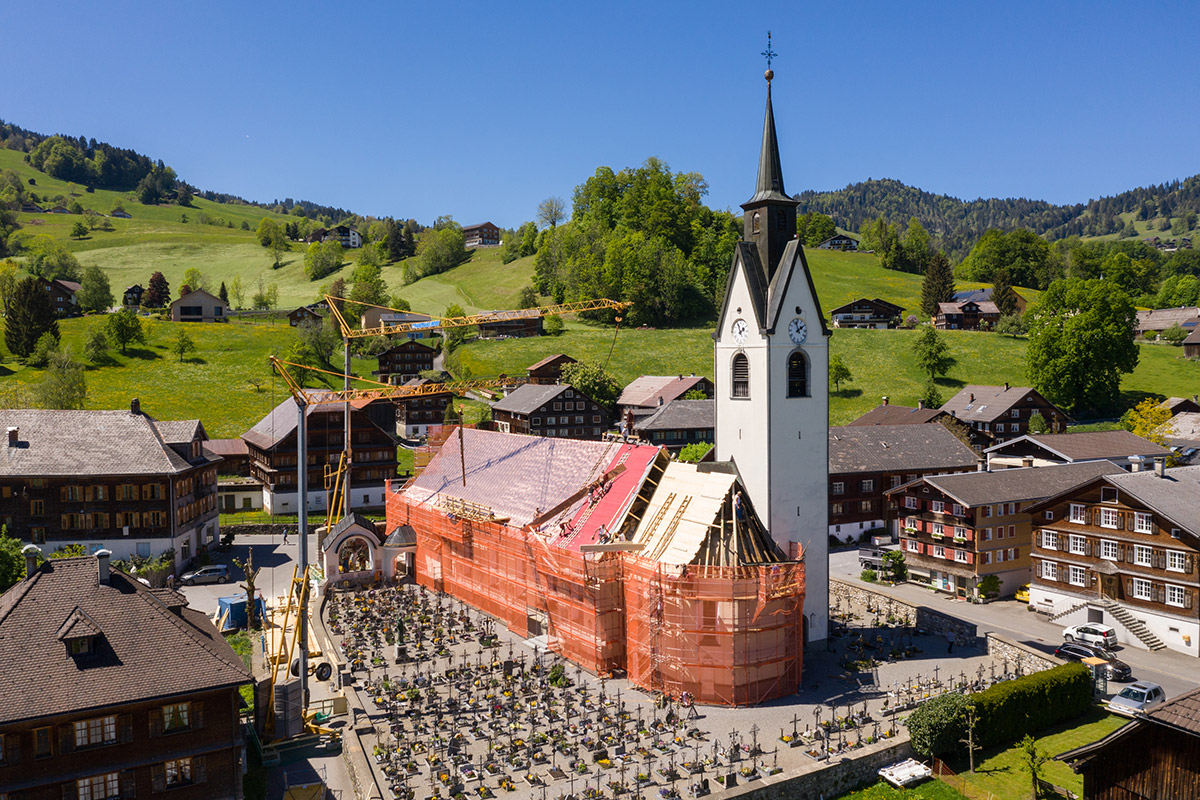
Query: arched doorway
(355,554)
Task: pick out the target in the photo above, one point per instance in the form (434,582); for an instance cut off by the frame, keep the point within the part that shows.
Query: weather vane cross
(769,54)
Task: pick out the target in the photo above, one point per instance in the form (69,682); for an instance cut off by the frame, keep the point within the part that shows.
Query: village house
(1181,405)
(272,447)
(344,235)
(984,294)
(1155,756)
(1156,320)
(547,370)
(199,306)
(959,529)
(866,313)
(971,315)
(132,296)
(374,317)
(644,395)
(1121,549)
(484,234)
(556,410)
(840,242)
(865,461)
(415,414)
(1191,345)
(303,314)
(678,423)
(121,691)
(1044,449)
(119,480)
(527,323)
(62,296)
(1003,413)
(887,413)
(405,361)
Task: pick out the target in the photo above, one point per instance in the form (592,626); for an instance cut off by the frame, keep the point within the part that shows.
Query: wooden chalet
(485,234)
(1003,412)
(556,410)
(303,314)
(405,361)
(971,315)
(132,296)
(1191,345)
(547,371)
(867,313)
(679,423)
(840,242)
(1157,320)
(1121,447)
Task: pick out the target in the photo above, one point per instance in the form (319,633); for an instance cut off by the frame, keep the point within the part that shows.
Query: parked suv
(1092,633)
(1137,697)
(214,573)
(1115,670)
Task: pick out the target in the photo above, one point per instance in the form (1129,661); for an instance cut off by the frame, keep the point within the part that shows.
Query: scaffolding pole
(347,448)
(302,538)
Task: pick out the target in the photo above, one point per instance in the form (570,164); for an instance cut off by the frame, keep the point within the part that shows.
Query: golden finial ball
(769,74)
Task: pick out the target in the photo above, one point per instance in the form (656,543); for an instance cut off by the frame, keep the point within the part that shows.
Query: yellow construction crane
(378,389)
(433,323)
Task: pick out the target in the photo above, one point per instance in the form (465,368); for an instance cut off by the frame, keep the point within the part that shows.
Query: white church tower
(772,381)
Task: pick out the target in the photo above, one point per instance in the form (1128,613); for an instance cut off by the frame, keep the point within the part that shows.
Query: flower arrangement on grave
(581,768)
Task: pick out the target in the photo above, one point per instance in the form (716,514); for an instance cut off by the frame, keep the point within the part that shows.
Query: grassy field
(929,790)
(1001,772)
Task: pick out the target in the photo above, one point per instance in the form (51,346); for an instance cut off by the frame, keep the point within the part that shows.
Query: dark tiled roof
(898,415)
(1177,405)
(990,403)
(1016,485)
(147,651)
(347,522)
(548,359)
(1176,495)
(900,448)
(401,536)
(1193,337)
(681,415)
(985,307)
(227,447)
(180,431)
(529,398)
(92,443)
(646,390)
(880,305)
(1089,445)
(279,423)
(1183,712)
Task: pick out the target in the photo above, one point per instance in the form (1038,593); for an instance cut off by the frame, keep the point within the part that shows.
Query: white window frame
(1079,513)
(914,546)
(1175,595)
(939,551)
(1049,540)
(1176,561)
(867,485)
(1108,549)
(960,556)
(839,487)
(1108,518)
(910,502)
(1077,544)
(960,532)
(937,506)
(1076,576)
(1140,550)
(959,510)
(1143,589)
(1050,570)
(939,529)
(1143,522)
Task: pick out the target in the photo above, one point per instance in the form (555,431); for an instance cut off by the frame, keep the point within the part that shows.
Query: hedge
(1011,709)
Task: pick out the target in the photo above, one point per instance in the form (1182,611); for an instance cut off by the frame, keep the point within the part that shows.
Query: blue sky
(482,110)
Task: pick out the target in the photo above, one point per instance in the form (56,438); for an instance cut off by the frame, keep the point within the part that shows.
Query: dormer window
(81,646)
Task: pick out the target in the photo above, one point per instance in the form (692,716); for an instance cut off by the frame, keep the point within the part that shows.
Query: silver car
(1137,698)
(214,573)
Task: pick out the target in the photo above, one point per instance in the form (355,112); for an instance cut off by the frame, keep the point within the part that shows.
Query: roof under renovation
(573,492)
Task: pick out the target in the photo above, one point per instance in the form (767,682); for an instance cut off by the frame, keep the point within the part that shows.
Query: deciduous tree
(79,230)
(550,211)
(124,328)
(8,281)
(95,349)
(95,293)
(63,386)
(236,292)
(194,279)
(182,344)
(593,381)
(932,353)
(839,373)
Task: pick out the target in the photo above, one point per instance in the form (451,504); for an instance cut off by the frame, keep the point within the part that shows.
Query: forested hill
(958,224)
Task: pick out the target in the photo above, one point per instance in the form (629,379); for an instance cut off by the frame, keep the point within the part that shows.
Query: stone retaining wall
(926,619)
(1025,659)
(831,778)
(265,529)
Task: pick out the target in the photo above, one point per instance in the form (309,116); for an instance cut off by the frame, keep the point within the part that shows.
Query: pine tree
(223,293)
(1003,295)
(30,316)
(938,285)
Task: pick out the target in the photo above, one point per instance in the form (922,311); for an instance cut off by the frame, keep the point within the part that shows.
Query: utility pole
(302,538)
(347,448)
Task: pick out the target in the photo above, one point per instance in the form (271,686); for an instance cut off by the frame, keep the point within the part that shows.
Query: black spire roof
(770,171)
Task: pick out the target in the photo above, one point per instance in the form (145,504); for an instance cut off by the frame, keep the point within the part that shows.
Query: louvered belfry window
(797,375)
(741,375)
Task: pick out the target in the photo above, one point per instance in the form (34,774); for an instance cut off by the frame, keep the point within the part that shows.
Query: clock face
(739,331)
(797,330)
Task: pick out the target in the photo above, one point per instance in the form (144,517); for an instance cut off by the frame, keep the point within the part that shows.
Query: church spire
(770,218)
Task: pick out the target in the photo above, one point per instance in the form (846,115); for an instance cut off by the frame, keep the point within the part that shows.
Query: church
(707,579)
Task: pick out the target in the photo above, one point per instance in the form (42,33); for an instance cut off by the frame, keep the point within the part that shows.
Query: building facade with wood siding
(1122,550)
(405,361)
(554,411)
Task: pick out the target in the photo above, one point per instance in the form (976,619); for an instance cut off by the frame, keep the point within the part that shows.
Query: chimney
(1160,467)
(102,557)
(660,400)
(921,404)
(885,399)
(1135,463)
(12,437)
(33,554)
(1027,461)
(135,406)
(980,465)
(972,399)
(1006,386)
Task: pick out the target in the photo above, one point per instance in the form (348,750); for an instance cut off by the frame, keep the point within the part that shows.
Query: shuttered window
(797,375)
(741,375)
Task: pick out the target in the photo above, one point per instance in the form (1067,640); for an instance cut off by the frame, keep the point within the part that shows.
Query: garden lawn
(929,790)
(1002,772)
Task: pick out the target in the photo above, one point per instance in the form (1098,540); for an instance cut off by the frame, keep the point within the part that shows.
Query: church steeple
(770,215)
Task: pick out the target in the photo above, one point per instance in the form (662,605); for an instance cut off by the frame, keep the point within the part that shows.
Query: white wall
(1170,630)
(285,502)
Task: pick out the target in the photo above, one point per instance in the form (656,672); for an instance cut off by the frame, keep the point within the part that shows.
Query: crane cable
(614,343)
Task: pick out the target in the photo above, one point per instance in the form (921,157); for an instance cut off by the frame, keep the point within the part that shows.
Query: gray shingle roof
(681,415)
(548,359)
(280,421)
(646,390)
(92,442)
(1159,319)
(147,650)
(1182,712)
(898,415)
(347,522)
(902,448)
(990,403)
(1089,445)
(1176,495)
(1016,485)
(530,397)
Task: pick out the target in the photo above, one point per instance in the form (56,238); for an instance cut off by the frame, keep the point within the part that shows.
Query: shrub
(869,575)
(938,724)
(1009,710)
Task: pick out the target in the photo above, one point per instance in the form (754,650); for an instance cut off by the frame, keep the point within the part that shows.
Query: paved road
(1175,672)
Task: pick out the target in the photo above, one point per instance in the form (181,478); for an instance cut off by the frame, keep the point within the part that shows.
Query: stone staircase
(1131,624)
(1069,610)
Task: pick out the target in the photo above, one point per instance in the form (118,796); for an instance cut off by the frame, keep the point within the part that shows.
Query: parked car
(1092,633)
(1115,670)
(1136,698)
(871,557)
(1022,595)
(214,573)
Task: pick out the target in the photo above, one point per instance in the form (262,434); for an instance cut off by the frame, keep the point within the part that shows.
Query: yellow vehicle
(1023,593)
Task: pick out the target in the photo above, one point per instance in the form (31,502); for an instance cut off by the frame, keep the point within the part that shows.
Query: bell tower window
(797,367)
(741,375)
(755,222)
